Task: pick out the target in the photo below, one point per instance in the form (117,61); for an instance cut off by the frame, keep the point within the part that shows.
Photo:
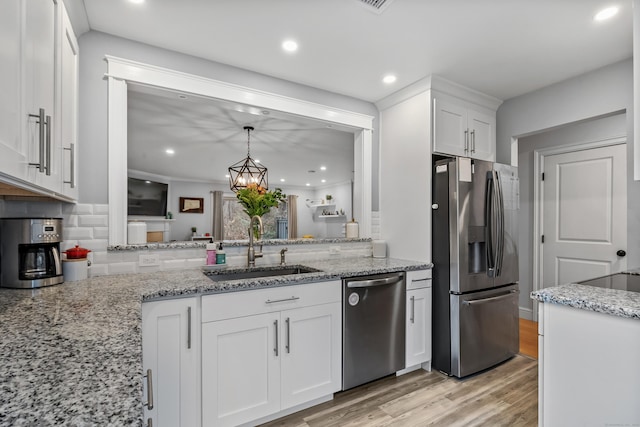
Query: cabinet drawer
(418,279)
(250,302)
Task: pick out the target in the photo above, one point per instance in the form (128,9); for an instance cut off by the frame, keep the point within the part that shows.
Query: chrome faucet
(282,260)
(251,253)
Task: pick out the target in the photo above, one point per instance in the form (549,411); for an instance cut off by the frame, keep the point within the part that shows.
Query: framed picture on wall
(191,205)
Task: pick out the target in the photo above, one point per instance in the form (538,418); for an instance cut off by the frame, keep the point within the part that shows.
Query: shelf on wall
(332,216)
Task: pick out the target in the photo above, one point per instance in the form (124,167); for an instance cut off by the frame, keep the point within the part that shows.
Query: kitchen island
(72,355)
(589,348)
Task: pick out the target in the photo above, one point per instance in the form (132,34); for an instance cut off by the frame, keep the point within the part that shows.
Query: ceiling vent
(377,6)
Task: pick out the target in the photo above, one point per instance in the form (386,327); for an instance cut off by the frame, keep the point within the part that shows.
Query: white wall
(588,131)
(592,95)
(92,148)
(405,179)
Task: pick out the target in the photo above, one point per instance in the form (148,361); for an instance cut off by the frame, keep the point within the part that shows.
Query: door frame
(538,203)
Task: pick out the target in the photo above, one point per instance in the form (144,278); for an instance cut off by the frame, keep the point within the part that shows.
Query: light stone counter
(71,354)
(608,301)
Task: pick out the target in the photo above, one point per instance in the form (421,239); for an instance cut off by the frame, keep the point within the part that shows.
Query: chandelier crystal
(247,171)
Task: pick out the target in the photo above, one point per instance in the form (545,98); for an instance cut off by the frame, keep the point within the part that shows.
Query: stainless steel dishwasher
(373,328)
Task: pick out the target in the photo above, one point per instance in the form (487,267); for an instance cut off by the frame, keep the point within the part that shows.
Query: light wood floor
(529,338)
(504,396)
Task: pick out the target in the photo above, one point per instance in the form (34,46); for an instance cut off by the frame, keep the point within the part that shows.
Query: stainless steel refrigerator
(475,255)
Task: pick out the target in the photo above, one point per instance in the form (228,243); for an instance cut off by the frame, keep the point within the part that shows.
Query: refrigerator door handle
(488,204)
(490,299)
(500,223)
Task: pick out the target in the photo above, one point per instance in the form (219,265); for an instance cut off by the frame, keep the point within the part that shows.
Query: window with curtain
(236,222)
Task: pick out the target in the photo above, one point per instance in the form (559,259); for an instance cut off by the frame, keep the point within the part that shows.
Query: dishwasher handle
(374,282)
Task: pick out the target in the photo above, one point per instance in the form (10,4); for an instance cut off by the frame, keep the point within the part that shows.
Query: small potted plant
(193,231)
(329,198)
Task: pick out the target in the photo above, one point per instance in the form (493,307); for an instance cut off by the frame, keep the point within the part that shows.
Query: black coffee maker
(30,252)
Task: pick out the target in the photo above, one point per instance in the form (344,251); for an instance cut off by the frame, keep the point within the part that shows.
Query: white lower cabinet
(311,363)
(588,367)
(171,353)
(283,352)
(418,319)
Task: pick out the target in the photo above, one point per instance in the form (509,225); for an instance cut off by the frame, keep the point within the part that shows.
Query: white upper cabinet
(39,62)
(68,108)
(463,129)
(40,75)
(13,153)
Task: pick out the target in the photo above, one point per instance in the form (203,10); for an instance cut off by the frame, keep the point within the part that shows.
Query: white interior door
(584,219)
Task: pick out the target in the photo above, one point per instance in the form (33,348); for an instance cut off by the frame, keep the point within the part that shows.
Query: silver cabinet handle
(41,124)
(281,300)
(149,422)
(420,280)
(413,309)
(72,165)
(288,347)
(47,167)
(275,349)
(149,403)
(466,140)
(188,327)
(473,141)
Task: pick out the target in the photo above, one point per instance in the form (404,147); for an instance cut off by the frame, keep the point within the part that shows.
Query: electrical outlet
(334,250)
(149,260)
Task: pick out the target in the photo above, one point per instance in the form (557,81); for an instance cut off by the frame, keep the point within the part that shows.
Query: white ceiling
(207,136)
(503,48)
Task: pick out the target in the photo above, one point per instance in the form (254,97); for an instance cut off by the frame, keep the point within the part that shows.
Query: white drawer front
(418,279)
(249,302)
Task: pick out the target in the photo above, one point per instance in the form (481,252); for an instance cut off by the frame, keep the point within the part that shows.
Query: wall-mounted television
(146,197)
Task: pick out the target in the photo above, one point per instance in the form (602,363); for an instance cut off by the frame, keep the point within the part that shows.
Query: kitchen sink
(255,273)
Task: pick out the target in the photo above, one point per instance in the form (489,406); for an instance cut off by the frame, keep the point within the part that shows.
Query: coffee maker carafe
(30,252)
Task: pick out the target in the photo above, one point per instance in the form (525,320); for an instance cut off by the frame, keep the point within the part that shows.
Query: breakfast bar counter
(71,354)
(588,350)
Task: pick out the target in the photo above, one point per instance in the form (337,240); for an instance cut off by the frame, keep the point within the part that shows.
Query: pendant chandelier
(247,171)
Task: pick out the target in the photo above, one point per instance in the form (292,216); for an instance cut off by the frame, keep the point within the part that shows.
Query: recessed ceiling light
(289,45)
(323,168)
(265,112)
(136,1)
(169,151)
(227,176)
(147,182)
(281,179)
(182,96)
(606,13)
(307,184)
(389,78)
(324,180)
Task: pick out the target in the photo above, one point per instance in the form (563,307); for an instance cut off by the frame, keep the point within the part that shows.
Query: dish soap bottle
(221,256)
(211,254)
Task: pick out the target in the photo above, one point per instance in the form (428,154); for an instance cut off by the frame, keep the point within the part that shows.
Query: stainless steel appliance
(475,256)
(621,281)
(373,335)
(30,252)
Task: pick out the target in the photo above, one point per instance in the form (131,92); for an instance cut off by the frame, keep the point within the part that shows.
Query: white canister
(379,249)
(75,269)
(352,229)
(137,233)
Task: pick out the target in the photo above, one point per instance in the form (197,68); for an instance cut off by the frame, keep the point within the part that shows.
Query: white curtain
(218,225)
(292,216)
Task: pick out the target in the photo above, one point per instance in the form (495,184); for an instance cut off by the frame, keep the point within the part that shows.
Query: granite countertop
(71,354)
(188,244)
(602,300)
